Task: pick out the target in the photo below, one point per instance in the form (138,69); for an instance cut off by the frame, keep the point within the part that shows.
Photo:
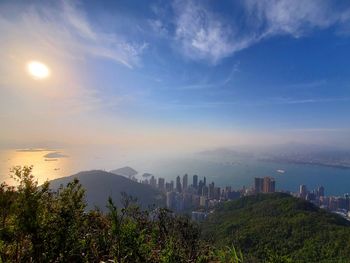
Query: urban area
(199,198)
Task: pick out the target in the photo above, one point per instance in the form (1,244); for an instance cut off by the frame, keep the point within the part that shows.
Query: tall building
(217,193)
(178,184)
(184,182)
(205,191)
(320,191)
(153,181)
(203,201)
(161,183)
(171,200)
(204,181)
(195,181)
(302,191)
(169,187)
(211,193)
(200,187)
(258,185)
(269,185)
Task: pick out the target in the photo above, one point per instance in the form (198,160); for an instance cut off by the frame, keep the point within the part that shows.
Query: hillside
(100,185)
(281,225)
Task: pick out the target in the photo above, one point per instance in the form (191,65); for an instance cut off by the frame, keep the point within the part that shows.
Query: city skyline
(199,199)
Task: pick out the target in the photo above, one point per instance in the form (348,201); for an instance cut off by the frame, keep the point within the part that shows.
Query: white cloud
(294,17)
(201,34)
(204,34)
(66,31)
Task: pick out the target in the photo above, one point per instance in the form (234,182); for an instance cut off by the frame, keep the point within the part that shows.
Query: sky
(175,75)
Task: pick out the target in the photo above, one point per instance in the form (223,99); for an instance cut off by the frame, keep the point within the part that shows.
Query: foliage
(279,228)
(38,224)
(41,225)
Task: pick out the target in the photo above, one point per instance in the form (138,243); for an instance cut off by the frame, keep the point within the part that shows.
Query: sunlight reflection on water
(44,168)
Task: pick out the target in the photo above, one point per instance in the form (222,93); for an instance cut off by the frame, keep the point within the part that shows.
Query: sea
(236,172)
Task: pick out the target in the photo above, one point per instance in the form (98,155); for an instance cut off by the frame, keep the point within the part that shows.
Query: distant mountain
(225,153)
(280,224)
(100,185)
(125,171)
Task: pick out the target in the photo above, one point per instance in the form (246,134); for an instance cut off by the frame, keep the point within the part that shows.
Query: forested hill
(279,224)
(101,185)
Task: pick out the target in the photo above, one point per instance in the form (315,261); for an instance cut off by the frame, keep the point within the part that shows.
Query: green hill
(99,185)
(280,225)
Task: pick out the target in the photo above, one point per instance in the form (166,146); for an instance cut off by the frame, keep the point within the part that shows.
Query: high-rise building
(178,184)
(200,187)
(153,181)
(258,185)
(320,191)
(187,200)
(161,183)
(302,191)
(184,182)
(205,191)
(171,200)
(269,185)
(195,181)
(203,201)
(217,193)
(211,193)
(169,187)
(205,181)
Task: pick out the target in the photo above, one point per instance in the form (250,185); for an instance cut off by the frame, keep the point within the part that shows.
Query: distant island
(304,160)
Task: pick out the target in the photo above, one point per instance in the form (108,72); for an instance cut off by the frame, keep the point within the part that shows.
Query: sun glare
(38,70)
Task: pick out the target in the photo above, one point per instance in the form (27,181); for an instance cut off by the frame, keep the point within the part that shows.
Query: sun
(38,70)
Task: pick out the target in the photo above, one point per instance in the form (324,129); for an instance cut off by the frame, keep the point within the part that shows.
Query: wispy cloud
(201,33)
(246,103)
(214,84)
(294,17)
(307,100)
(205,35)
(66,31)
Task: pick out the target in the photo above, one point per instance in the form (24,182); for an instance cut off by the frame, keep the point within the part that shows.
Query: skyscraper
(184,182)
(269,185)
(211,191)
(258,184)
(302,191)
(205,191)
(195,181)
(178,184)
(320,191)
(205,181)
(170,200)
(153,181)
(161,183)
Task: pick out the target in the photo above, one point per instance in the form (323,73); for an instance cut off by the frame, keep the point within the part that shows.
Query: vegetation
(280,228)
(41,225)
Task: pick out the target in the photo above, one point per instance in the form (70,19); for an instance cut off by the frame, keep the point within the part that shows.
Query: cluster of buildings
(198,197)
(264,185)
(338,204)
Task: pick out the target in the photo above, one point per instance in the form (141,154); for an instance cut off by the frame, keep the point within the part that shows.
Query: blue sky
(175,72)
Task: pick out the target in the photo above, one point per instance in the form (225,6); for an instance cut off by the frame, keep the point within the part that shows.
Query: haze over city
(175,131)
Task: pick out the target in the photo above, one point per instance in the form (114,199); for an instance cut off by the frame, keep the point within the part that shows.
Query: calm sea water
(235,172)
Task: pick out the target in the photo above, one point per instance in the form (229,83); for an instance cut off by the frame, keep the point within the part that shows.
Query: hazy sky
(175,74)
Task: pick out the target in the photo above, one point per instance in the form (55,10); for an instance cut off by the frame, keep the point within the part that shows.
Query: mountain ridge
(100,185)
